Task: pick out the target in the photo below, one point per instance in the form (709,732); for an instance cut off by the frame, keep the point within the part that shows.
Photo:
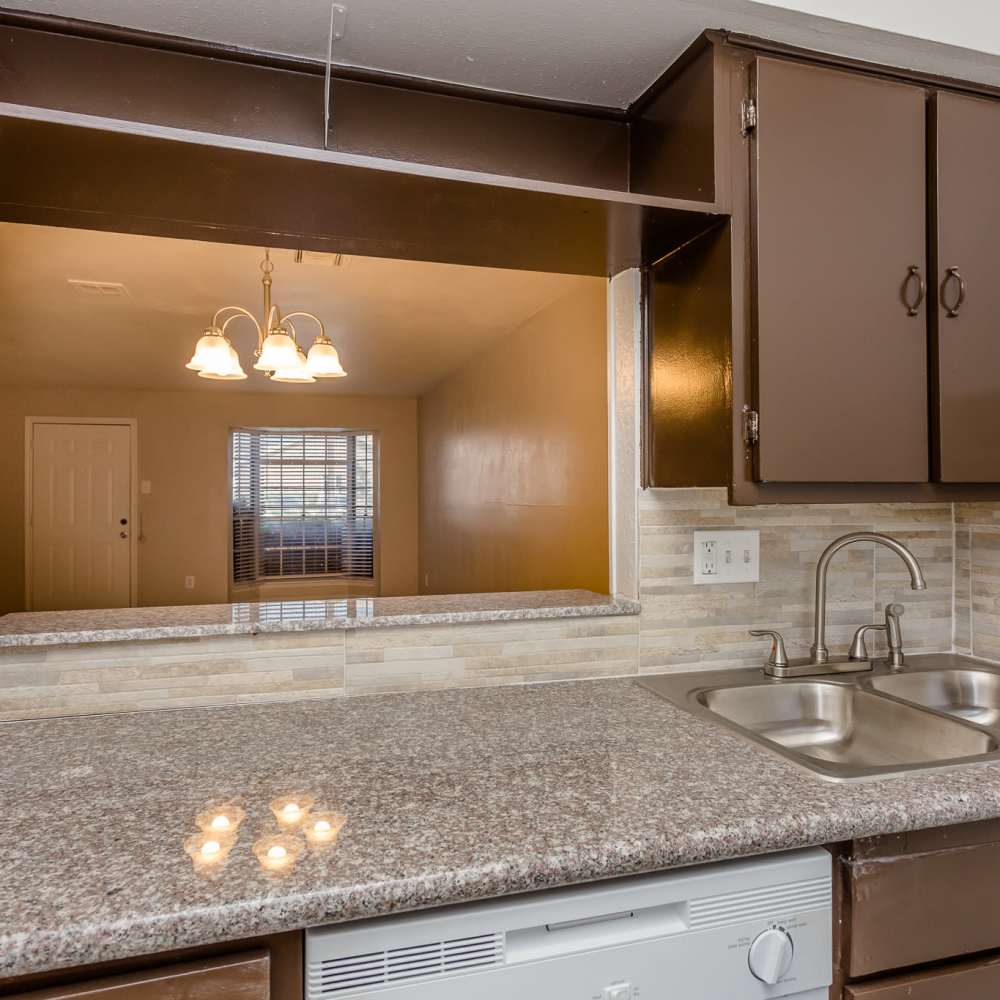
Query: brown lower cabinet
(917,915)
(245,976)
(978,980)
(263,968)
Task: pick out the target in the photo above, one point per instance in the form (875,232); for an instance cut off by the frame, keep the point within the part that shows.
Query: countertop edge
(616,607)
(128,938)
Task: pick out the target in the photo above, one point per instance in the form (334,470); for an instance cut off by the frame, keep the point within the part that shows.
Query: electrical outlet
(705,556)
(726,556)
(189,583)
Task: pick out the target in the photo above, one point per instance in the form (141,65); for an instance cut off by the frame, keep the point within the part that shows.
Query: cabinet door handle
(913,273)
(951,311)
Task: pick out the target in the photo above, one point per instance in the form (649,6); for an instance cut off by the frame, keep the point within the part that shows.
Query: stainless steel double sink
(938,711)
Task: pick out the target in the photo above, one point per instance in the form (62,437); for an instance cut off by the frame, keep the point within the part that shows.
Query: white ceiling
(400,326)
(603,52)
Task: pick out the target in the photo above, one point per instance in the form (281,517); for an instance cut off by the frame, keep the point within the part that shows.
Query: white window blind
(303,504)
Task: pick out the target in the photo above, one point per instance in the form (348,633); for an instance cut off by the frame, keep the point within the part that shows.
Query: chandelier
(278,355)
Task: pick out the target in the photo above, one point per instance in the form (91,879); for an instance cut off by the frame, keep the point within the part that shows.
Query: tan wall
(513,459)
(183,449)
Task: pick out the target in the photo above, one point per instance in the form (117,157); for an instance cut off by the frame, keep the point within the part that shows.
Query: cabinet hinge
(748,116)
(751,426)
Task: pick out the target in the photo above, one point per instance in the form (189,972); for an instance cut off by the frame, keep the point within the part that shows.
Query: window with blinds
(303,504)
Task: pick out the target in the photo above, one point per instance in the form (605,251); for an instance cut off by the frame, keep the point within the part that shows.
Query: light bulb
(277,352)
(322,826)
(226,367)
(324,361)
(211,353)
(297,372)
(276,852)
(210,848)
(291,811)
(220,823)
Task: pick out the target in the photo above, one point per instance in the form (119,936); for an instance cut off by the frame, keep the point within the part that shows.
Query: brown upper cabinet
(839,225)
(965,322)
(835,341)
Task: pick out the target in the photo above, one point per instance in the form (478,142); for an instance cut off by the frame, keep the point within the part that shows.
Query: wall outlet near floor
(726,556)
(189,583)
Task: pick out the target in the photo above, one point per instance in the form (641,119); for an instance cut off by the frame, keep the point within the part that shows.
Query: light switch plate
(726,557)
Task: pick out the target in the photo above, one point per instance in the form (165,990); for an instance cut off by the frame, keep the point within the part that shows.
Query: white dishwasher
(737,930)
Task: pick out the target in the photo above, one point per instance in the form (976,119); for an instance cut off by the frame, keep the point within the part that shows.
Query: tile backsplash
(681,626)
(977,579)
(685,627)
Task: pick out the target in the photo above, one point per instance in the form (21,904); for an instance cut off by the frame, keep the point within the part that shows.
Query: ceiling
(603,52)
(400,326)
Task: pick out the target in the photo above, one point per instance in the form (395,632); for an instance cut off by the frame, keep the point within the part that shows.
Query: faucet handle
(778,657)
(859,651)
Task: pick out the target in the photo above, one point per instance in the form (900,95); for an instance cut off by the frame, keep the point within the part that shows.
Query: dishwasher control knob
(770,955)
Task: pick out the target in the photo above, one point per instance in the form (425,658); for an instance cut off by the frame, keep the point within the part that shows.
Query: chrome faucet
(779,664)
(818,653)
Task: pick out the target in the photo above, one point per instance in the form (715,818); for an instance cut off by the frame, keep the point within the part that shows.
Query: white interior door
(80,516)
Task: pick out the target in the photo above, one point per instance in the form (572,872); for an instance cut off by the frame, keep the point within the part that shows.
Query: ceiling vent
(99,289)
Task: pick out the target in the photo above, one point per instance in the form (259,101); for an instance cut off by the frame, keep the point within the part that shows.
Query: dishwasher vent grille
(356,973)
(770,903)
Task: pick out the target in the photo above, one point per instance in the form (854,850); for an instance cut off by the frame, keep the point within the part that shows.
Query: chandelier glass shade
(277,355)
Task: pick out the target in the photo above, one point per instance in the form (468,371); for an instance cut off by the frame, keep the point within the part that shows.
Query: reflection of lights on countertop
(278,854)
(224,819)
(323,827)
(207,850)
(291,810)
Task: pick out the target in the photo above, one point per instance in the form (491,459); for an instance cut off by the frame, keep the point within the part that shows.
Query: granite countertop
(43,628)
(449,796)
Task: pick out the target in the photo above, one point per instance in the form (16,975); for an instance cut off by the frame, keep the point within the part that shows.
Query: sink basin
(968,694)
(842,725)
(941,711)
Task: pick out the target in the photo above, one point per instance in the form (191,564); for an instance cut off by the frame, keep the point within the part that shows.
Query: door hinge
(748,116)
(751,426)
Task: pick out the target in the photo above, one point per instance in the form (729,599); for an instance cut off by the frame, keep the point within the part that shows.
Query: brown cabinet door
(966,333)
(245,976)
(839,174)
(979,980)
(920,897)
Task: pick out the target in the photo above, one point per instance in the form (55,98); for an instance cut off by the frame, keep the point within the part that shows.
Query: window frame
(276,583)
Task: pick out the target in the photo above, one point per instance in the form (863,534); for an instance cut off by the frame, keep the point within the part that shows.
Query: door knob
(123,534)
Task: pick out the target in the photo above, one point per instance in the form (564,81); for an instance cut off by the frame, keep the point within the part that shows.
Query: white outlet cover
(735,559)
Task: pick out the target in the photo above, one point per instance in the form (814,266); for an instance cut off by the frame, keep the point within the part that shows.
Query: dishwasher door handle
(585,921)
